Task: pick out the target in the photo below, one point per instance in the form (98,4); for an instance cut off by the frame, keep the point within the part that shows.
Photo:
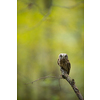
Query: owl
(64,63)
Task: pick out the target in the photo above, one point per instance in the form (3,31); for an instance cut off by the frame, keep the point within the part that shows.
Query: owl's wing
(68,66)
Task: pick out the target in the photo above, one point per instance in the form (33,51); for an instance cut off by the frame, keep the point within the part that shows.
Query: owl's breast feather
(62,61)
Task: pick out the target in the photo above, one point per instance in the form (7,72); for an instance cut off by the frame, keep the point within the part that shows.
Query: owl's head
(63,56)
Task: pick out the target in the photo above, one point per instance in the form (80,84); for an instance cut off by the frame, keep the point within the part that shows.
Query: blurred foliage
(46,28)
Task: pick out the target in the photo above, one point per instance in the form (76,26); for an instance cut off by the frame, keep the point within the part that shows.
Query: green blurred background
(46,28)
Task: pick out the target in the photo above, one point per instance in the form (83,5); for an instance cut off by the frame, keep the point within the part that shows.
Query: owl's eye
(60,55)
(66,56)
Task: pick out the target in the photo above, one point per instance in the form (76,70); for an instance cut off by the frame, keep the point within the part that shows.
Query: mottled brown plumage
(64,63)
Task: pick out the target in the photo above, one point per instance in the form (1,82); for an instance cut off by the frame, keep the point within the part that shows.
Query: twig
(41,21)
(72,83)
(43,78)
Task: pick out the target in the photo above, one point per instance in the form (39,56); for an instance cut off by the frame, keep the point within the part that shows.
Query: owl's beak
(63,57)
(63,60)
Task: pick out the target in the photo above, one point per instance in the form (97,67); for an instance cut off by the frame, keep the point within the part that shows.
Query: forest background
(46,28)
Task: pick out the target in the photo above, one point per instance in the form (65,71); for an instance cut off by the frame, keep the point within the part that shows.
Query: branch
(68,7)
(72,83)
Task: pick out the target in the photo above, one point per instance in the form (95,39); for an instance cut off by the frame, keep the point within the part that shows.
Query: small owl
(64,63)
